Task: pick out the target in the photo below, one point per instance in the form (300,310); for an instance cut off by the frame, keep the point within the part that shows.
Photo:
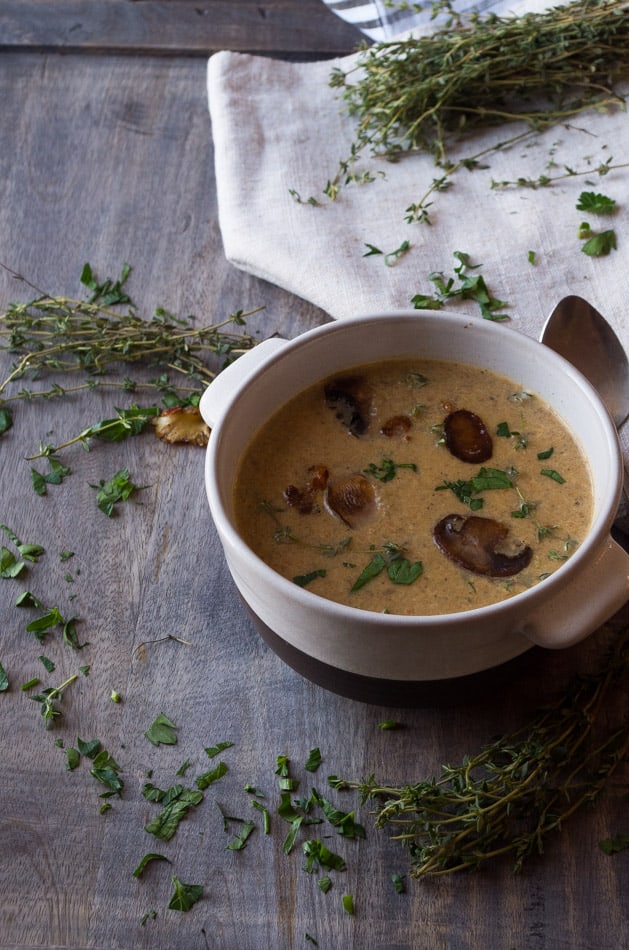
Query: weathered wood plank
(108,159)
(193,27)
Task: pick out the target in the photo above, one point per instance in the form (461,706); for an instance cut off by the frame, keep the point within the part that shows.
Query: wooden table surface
(106,157)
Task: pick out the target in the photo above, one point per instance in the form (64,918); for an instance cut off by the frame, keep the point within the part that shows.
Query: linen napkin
(279,132)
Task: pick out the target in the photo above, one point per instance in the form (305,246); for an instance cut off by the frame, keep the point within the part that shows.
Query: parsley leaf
(162,731)
(185,896)
(177,802)
(118,488)
(151,856)
(375,566)
(619,842)
(4,680)
(402,571)
(599,245)
(595,203)
(208,778)
(319,856)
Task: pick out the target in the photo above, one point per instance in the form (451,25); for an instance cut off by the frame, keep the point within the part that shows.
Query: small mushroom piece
(350,396)
(396,425)
(182,424)
(305,499)
(481,545)
(352,499)
(466,436)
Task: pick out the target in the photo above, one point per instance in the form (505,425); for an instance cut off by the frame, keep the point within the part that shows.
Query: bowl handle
(218,395)
(605,591)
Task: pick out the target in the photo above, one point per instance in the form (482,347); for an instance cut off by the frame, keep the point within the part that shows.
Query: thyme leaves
(423,93)
(58,334)
(518,790)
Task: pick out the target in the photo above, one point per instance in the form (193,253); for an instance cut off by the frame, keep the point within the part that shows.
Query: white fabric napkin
(279,128)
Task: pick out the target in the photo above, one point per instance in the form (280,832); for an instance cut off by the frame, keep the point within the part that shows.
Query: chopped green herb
(342,821)
(185,896)
(106,770)
(402,571)
(546,454)
(162,731)
(398,882)
(318,856)
(208,778)
(48,697)
(487,479)
(10,566)
(239,841)
(266,818)
(177,802)
(302,580)
(118,488)
(387,469)
(314,760)
(595,203)
(89,749)
(388,725)
(6,420)
(55,476)
(324,884)
(214,750)
(619,842)
(600,245)
(73,758)
(551,473)
(375,566)
(151,856)
(348,903)
(4,679)
(35,681)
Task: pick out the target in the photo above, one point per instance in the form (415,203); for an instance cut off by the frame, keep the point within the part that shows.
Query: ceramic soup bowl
(411,660)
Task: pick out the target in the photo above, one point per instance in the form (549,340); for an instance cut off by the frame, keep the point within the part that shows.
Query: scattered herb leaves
(151,856)
(118,488)
(185,896)
(162,731)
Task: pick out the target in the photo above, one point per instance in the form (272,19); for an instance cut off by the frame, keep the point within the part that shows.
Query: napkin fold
(279,133)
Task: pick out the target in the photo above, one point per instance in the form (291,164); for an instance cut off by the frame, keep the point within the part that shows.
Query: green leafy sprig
(59,334)
(518,790)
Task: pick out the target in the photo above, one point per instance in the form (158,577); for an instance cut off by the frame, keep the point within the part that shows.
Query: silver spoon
(578,332)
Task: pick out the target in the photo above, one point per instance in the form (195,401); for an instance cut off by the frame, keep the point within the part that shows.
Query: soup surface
(414,487)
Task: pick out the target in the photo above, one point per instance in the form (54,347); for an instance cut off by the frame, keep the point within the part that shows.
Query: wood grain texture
(172,27)
(109,159)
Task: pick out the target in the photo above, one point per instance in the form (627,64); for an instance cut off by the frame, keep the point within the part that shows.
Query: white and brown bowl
(414,660)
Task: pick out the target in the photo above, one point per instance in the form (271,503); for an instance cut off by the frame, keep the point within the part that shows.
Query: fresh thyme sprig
(50,333)
(424,93)
(508,798)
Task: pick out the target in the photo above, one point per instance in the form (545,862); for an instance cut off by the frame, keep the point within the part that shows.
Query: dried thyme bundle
(59,334)
(508,798)
(420,93)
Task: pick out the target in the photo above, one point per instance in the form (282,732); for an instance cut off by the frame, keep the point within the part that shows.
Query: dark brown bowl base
(400,693)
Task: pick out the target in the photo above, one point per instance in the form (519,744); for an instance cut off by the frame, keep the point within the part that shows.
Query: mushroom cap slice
(352,499)
(396,425)
(481,545)
(351,397)
(467,437)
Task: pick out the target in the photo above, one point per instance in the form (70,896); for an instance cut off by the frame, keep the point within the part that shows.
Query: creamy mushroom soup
(414,487)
